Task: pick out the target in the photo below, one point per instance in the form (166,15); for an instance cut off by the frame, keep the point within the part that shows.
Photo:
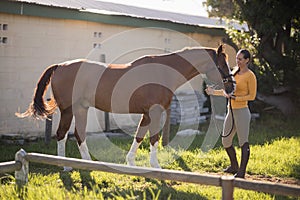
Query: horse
(144,86)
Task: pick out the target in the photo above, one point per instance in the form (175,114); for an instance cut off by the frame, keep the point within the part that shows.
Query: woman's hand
(229,96)
(209,90)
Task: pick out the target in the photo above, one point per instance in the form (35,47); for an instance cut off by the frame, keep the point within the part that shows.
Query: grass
(275,156)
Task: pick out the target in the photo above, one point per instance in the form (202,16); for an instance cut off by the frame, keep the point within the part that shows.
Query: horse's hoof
(67,169)
(131,163)
(155,165)
(130,160)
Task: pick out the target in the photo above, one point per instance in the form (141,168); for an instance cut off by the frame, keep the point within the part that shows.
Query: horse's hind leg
(80,114)
(154,129)
(140,134)
(61,134)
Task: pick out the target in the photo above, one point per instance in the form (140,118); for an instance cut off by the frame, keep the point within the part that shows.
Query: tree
(274,40)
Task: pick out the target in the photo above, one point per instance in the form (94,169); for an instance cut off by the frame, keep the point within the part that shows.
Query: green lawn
(275,156)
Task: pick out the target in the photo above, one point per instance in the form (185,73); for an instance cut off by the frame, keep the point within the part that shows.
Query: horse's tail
(40,109)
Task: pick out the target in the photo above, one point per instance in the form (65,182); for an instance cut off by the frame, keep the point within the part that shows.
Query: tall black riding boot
(234,166)
(244,161)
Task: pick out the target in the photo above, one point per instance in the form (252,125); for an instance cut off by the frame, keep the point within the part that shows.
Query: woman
(245,91)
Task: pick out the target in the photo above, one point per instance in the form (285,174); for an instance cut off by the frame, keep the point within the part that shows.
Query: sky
(192,7)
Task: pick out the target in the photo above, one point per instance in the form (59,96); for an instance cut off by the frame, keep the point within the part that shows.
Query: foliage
(273,37)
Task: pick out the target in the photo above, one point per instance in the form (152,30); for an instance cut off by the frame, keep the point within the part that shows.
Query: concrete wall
(33,43)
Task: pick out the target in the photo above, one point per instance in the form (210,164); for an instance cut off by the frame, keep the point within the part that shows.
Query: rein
(233,121)
(230,107)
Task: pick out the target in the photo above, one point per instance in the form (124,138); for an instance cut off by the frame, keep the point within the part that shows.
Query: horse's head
(227,77)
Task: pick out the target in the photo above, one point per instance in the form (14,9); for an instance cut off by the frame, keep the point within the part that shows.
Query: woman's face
(241,61)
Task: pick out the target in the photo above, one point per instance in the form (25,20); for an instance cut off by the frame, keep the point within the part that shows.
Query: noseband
(225,78)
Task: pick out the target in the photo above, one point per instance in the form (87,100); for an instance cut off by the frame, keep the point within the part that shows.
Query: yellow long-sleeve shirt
(245,90)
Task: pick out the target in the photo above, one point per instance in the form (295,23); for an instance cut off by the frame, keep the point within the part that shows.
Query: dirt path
(291,181)
(272,179)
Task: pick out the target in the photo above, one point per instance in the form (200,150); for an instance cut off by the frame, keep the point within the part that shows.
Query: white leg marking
(61,150)
(84,151)
(61,146)
(153,156)
(130,158)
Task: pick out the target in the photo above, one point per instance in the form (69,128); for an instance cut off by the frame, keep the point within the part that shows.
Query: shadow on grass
(163,190)
(65,177)
(296,171)
(85,180)
(152,189)
(264,130)
(182,164)
(269,128)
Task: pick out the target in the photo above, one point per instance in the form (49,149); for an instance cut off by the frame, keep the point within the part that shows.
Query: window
(97,45)
(102,58)
(5,27)
(97,34)
(167,40)
(4,40)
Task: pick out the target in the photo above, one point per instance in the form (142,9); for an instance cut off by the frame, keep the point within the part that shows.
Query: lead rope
(230,107)
(213,111)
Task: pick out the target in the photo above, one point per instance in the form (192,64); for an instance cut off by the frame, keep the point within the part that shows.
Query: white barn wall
(35,43)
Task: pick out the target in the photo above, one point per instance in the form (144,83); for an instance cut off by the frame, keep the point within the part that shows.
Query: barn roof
(113,9)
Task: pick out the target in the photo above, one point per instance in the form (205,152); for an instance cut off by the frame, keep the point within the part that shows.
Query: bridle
(225,79)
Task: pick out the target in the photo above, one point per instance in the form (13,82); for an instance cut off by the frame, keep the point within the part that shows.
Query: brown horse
(144,86)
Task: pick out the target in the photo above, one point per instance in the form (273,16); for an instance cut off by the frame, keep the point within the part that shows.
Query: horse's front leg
(139,136)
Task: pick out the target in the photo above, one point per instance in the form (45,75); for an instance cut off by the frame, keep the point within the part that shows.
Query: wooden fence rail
(226,182)
(10,166)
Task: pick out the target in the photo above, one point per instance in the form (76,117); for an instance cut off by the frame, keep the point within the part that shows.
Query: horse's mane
(68,62)
(196,48)
(183,50)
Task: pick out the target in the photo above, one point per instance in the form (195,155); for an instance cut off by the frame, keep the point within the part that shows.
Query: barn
(37,33)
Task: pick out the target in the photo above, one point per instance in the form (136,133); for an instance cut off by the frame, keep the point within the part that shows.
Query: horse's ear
(220,49)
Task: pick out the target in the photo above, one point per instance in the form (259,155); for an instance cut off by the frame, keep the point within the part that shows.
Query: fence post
(107,122)
(227,187)
(22,174)
(48,128)
(166,128)
(106,114)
